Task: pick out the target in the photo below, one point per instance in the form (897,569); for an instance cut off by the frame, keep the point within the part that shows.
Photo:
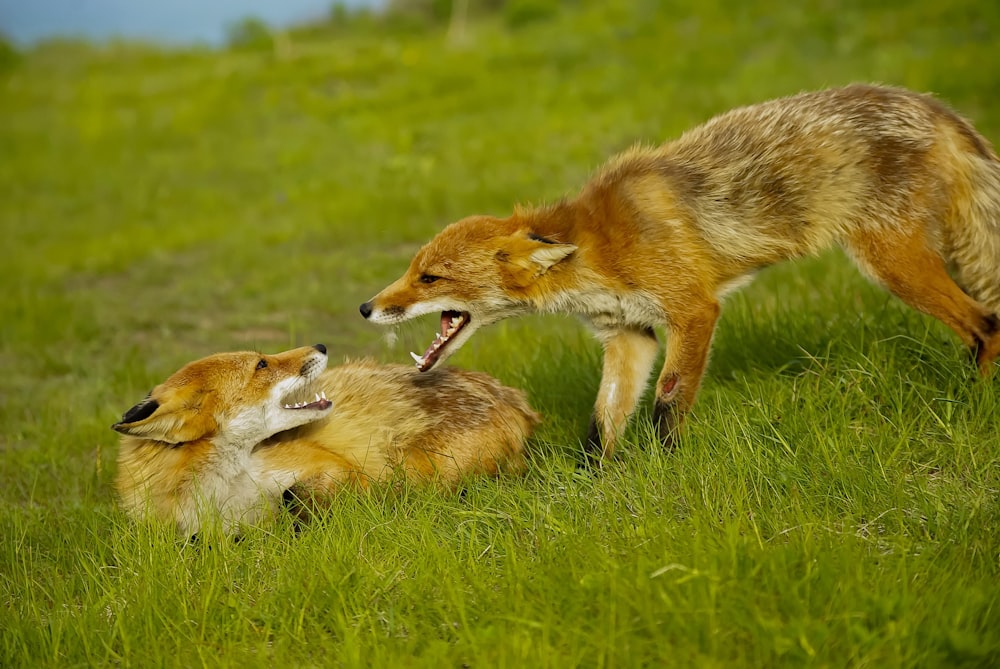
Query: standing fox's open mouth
(452,322)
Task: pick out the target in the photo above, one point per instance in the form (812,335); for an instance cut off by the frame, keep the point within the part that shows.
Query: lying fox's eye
(262,364)
(428,278)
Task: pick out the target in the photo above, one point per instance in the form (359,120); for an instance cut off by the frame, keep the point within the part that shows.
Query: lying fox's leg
(628,359)
(904,262)
(689,337)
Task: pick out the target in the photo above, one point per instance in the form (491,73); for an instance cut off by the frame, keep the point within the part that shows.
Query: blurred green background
(159,204)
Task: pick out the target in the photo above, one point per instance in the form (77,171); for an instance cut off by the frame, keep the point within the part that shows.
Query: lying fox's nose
(366,309)
(320,348)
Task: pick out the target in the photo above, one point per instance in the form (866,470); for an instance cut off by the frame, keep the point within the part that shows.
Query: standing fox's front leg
(689,337)
(628,359)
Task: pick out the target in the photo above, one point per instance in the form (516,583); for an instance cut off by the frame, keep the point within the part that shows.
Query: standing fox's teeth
(317,397)
(416,358)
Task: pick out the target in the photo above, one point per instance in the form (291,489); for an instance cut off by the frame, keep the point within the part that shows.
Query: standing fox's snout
(457,324)
(475,272)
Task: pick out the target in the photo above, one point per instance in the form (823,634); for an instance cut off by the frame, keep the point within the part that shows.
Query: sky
(167,21)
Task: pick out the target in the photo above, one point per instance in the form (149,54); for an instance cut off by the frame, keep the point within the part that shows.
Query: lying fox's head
(475,272)
(238,399)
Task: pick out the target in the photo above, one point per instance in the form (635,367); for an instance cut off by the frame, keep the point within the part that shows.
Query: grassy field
(834,498)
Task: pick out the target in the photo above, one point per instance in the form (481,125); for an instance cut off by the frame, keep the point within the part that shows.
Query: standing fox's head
(238,399)
(475,272)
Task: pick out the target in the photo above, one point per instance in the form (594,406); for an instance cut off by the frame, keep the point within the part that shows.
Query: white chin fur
(276,417)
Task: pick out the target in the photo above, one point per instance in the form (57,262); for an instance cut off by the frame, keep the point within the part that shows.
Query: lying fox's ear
(534,253)
(151,420)
(140,411)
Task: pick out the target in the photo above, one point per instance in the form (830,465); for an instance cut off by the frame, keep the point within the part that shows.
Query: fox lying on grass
(229,434)
(659,235)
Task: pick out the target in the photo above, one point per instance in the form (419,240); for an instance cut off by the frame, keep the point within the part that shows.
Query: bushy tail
(975,254)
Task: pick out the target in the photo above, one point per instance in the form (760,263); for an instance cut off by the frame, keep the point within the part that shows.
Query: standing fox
(659,235)
(229,434)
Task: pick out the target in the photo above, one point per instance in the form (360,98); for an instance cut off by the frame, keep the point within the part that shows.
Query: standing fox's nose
(320,348)
(366,309)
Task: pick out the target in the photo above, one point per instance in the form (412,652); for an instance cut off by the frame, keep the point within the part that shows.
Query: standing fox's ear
(548,255)
(151,420)
(534,254)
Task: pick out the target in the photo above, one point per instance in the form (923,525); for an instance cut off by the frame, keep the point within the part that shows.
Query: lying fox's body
(229,434)
(659,235)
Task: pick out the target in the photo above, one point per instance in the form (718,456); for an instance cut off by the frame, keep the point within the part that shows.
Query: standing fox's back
(790,176)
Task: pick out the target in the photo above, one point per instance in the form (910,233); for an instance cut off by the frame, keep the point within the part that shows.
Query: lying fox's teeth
(302,405)
(416,358)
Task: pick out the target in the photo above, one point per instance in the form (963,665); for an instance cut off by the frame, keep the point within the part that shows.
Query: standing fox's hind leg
(628,359)
(902,260)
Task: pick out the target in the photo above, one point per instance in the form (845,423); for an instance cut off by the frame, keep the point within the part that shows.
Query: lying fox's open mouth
(452,322)
(318,404)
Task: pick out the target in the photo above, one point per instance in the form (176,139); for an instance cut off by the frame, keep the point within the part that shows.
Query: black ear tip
(538,238)
(143,409)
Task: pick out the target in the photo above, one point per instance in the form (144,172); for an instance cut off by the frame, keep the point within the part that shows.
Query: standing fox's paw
(667,409)
(667,418)
(987,346)
(593,447)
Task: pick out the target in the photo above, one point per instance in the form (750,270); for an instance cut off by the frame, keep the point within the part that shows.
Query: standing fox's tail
(976,252)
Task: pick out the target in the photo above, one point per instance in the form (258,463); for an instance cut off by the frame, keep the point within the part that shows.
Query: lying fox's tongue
(451,323)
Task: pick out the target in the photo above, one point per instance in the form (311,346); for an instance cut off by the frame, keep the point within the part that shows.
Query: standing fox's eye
(262,364)
(428,278)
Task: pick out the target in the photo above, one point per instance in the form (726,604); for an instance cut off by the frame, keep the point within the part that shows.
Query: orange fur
(216,437)
(660,235)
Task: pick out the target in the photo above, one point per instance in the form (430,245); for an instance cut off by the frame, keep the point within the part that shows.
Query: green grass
(833,500)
